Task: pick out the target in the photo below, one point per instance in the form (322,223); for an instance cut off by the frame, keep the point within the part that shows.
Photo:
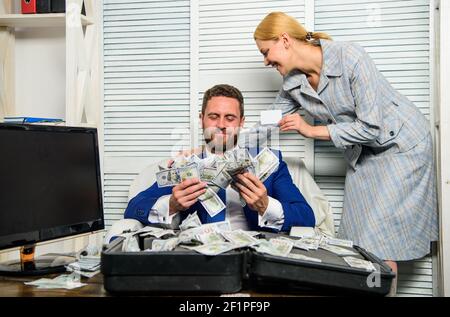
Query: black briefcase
(186,271)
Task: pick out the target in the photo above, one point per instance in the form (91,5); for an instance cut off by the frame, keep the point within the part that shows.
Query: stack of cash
(218,172)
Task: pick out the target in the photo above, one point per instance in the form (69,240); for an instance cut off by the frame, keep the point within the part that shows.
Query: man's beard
(215,141)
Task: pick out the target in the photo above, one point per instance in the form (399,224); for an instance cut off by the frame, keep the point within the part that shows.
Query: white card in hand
(271,117)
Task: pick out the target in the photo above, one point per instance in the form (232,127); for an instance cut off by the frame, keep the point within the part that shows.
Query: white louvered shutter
(396,35)
(146,102)
(228,54)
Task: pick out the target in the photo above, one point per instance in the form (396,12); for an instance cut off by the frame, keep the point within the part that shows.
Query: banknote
(188,235)
(337,250)
(266,160)
(239,237)
(189,171)
(65,281)
(212,204)
(214,248)
(275,246)
(222,179)
(308,243)
(339,242)
(303,257)
(166,233)
(209,237)
(191,221)
(207,174)
(167,178)
(359,263)
(282,246)
(159,245)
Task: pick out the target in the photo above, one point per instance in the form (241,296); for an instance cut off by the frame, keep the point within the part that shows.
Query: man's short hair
(223,90)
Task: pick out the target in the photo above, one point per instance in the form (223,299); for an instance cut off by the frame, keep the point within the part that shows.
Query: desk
(13,286)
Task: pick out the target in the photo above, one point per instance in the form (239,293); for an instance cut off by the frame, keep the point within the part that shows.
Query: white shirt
(273,216)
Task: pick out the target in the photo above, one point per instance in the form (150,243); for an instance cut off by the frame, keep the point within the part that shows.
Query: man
(273,205)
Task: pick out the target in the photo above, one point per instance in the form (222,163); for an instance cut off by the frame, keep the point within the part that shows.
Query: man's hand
(253,191)
(185,194)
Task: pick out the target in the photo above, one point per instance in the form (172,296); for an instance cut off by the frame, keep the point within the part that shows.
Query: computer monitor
(50,188)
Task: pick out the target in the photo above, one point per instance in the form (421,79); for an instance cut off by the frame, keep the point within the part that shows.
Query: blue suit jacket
(279,185)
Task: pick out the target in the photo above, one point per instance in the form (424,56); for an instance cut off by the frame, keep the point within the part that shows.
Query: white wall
(40,72)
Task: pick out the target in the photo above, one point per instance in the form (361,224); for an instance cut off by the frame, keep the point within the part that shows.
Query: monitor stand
(31,266)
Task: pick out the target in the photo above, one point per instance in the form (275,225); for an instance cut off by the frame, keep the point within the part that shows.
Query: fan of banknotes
(218,172)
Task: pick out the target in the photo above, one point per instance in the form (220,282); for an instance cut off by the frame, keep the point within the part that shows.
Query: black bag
(186,271)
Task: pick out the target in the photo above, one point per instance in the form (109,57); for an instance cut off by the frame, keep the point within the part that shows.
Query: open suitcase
(186,271)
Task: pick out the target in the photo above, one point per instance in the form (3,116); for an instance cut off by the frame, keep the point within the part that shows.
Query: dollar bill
(266,160)
(188,235)
(130,244)
(207,194)
(209,238)
(188,172)
(207,174)
(159,234)
(303,257)
(242,154)
(359,263)
(308,243)
(213,248)
(159,245)
(337,250)
(282,246)
(167,178)
(213,204)
(275,246)
(64,281)
(339,242)
(191,221)
(240,237)
(222,179)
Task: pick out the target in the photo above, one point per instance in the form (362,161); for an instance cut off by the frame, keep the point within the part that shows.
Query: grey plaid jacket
(390,190)
(358,104)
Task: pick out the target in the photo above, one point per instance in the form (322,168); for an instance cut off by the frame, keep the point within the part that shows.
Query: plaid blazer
(390,190)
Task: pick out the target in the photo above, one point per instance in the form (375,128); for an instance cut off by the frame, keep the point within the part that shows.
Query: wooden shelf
(37,20)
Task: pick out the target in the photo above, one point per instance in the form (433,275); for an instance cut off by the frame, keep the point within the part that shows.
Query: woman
(390,197)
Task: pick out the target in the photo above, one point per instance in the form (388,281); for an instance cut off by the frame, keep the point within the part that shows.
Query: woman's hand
(296,123)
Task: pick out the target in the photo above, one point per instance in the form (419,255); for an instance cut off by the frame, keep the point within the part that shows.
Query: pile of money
(217,238)
(218,172)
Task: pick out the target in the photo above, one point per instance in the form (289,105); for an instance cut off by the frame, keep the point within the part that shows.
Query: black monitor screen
(50,183)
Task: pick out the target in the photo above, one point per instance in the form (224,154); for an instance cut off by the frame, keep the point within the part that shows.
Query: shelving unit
(81,41)
(61,54)
(37,20)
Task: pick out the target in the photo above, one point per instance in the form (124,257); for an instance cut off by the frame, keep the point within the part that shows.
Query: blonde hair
(276,23)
